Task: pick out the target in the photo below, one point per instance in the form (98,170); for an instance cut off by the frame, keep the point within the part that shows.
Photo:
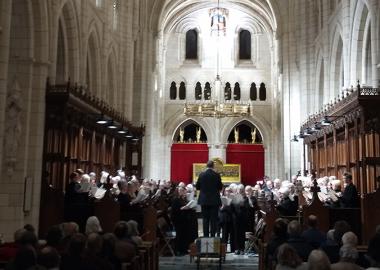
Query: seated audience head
(280,228)
(93,225)
(28,239)
(330,237)
(26,258)
(77,244)
(49,258)
(373,253)
(121,230)
(294,229)
(312,221)
(241,189)
(378,229)
(340,228)
(109,241)
(18,234)
(69,229)
(54,236)
(30,228)
(348,253)
(133,228)
(318,260)
(350,239)
(94,243)
(287,256)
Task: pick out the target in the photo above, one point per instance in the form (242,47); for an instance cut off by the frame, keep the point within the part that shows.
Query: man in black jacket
(210,184)
(350,197)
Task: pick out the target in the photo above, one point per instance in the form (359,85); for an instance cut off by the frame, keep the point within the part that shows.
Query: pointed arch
(337,66)
(111,91)
(68,39)
(361,18)
(93,63)
(189,126)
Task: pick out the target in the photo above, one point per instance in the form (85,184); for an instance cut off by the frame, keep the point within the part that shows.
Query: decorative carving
(13,127)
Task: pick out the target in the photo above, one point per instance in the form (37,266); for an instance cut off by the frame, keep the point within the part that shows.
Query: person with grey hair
(287,207)
(93,225)
(348,256)
(297,242)
(318,260)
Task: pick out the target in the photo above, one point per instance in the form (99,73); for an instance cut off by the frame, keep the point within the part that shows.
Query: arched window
(192,44)
(207,91)
(262,92)
(198,91)
(60,76)
(116,6)
(253,92)
(244,45)
(227,91)
(173,91)
(237,91)
(182,91)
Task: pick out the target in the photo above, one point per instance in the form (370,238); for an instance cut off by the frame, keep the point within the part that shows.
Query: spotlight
(101,120)
(112,125)
(128,136)
(307,132)
(122,130)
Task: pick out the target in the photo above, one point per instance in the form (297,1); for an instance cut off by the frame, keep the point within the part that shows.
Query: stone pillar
(5,24)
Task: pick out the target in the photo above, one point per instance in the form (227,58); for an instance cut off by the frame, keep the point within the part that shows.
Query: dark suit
(210,184)
(350,198)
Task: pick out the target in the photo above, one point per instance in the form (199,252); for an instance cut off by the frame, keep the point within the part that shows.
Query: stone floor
(241,262)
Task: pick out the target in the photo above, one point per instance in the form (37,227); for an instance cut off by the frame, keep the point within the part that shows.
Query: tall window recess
(237,91)
(182,91)
(173,91)
(198,91)
(253,92)
(245,45)
(191,45)
(262,92)
(207,92)
(227,91)
(116,6)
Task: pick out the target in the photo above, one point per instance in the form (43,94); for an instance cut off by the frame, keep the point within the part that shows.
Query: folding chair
(253,238)
(166,236)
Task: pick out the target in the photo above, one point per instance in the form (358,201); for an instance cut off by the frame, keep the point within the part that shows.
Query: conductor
(210,184)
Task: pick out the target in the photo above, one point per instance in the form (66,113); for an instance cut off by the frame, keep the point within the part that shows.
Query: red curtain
(182,158)
(251,158)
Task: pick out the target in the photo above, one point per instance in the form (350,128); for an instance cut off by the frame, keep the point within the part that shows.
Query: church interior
(110,110)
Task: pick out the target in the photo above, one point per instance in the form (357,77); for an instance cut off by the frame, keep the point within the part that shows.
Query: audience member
(373,254)
(348,256)
(318,260)
(49,258)
(313,235)
(287,258)
(297,242)
(93,225)
(279,237)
